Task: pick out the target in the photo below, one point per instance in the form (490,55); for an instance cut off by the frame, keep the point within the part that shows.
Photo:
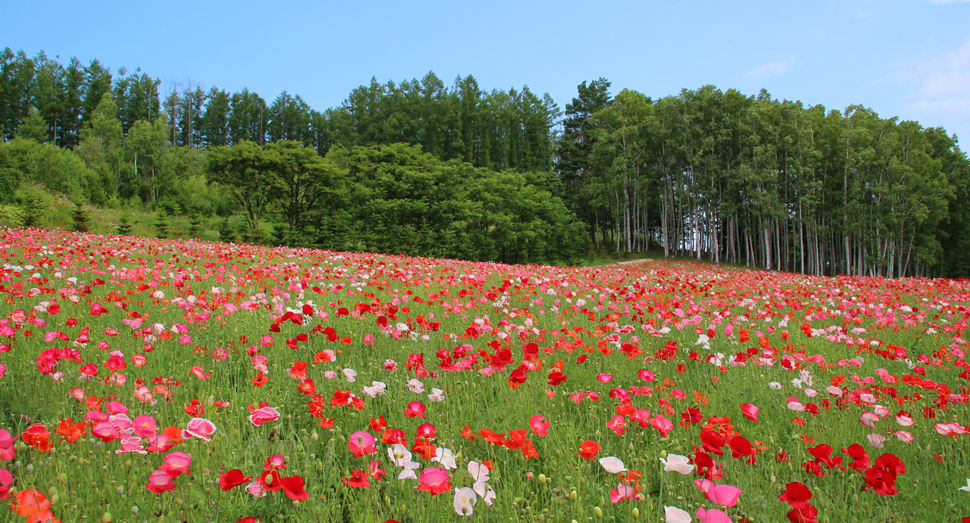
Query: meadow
(144,380)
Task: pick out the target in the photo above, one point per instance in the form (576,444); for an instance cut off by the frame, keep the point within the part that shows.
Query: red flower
(358,479)
(415,409)
(293,488)
(232,479)
(712,442)
(588,449)
(741,447)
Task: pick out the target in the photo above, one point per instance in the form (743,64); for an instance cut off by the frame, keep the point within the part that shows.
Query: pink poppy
(132,444)
(263,415)
(539,425)
(713,516)
(200,428)
(662,424)
(361,443)
(160,482)
(726,495)
(176,463)
(435,480)
(750,411)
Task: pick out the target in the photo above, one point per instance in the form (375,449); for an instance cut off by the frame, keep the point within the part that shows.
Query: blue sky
(902,58)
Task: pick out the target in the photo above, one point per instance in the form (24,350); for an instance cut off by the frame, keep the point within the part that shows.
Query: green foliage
(124,227)
(196,226)
(401,200)
(10,179)
(162,225)
(34,127)
(80,219)
(32,202)
(227,233)
(58,170)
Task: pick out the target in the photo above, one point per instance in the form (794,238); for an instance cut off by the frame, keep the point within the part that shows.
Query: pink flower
(160,482)
(435,480)
(7,450)
(712,516)
(264,415)
(662,424)
(750,411)
(539,425)
(676,515)
(613,465)
(200,428)
(255,489)
(132,444)
(876,440)
(604,377)
(144,426)
(368,339)
(726,495)
(6,479)
(361,443)
(176,463)
(623,492)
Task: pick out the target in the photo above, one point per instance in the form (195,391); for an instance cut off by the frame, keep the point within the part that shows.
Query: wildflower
(588,449)
(434,480)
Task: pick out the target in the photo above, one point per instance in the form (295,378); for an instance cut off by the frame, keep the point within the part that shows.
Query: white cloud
(944,81)
(771,69)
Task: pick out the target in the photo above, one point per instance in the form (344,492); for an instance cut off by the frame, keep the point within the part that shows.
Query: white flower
(677,463)
(613,465)
(465,499)
(967,488)
(415,386)
(445,457)
(436,395)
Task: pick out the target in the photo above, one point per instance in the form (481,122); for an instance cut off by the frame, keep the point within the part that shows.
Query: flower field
(168,380)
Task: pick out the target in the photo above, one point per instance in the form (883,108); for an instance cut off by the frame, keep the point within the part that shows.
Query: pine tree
(33,209)
(161,224)
(80,218)
(226,231)
(196,226)
(124,228)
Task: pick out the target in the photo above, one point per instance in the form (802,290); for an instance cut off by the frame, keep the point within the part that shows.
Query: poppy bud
(542,479)
(106,518)
(635,513)
(314,436)
(598,513)
(573,496)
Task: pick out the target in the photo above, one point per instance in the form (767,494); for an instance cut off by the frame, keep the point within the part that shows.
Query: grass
(177,283)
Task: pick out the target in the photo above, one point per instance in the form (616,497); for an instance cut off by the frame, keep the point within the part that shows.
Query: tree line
(707,174)
(766,183)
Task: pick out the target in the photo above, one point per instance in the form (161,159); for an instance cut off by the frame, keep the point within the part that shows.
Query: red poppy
(232,479)
(713,442)
(588,449)
(415,409)
(293,488)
